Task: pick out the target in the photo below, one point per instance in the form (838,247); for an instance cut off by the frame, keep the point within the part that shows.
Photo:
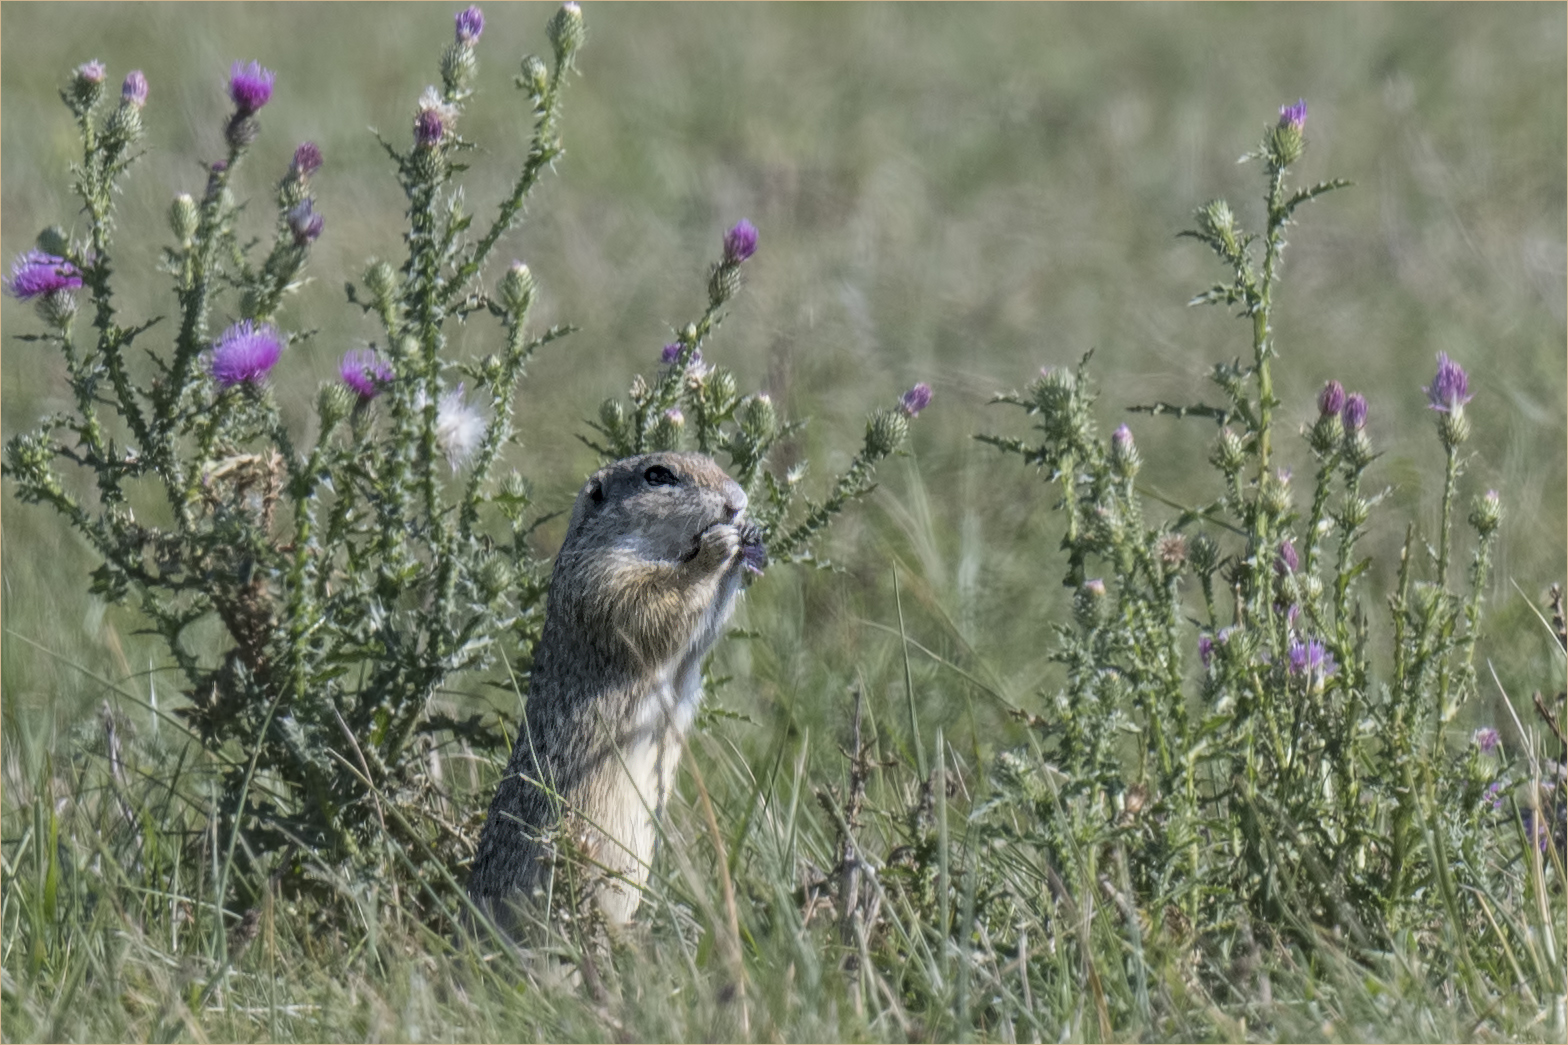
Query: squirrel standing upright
(643,585)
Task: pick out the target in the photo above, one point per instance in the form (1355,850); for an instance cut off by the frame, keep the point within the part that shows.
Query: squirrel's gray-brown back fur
(642,587)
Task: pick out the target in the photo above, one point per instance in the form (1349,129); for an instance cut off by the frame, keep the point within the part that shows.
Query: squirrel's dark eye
(659,475)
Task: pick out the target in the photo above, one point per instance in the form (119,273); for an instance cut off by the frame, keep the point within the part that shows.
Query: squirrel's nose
(734,501)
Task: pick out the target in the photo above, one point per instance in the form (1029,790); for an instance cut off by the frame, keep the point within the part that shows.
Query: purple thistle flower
(1311,659)
(740,242)
(1355,415)
(35,273)
(1486,740)
(1292,615)
(1450,389)
(428,127)
(305,223)
(250,86)
(1294,115)
(307,160)
(365,372)
(1331,400)
(1287,561)
(91,72)
(470,24)
(1494,795)
(915,400)
(674,416)
(1121,439)
(1205,649)
(1095,587)
(245,352)
(134,91)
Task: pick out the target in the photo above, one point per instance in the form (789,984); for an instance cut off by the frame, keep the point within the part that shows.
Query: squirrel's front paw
(717,547)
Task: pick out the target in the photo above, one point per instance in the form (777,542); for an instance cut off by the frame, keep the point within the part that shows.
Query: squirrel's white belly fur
(650,751)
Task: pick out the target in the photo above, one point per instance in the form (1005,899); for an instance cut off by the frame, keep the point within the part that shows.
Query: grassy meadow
(959,194)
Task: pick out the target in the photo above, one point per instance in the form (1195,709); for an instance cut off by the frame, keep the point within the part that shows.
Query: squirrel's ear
(596,490)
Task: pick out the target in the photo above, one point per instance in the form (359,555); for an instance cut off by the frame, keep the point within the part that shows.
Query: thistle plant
(356,573)
(1289,769)
(694,405)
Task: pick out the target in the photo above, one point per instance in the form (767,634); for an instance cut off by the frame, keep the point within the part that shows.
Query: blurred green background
(958,194)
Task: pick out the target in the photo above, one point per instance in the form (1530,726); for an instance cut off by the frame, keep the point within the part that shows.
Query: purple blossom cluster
(470,23)
(134,91)
(1450,389)
(1294,116)
(740,242)
(35,273)
(363,370)
(246,352)
(250,86)
(1311,659)
(915,400)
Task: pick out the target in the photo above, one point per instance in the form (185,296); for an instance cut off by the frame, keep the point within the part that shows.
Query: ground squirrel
(645,580)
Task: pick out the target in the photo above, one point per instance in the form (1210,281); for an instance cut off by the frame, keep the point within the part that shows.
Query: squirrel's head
(656,506)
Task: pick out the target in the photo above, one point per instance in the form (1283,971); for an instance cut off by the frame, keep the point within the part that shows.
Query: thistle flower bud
(612,415)
(1286,561)
(334,402)
(535,78)
(1486,514)
(1453,428)
(54,241)
(493,577)
(1089,603)
(759,418)
(1216,221)
(458,66)
(740,242)
(1355,412)
(1327,434)
(517,291)
(86,89)
(304,222)
(724,282)
(886,431)
(915,400)
(123,127)
(1171,550)
(1274,494)
(1332,399)
(381,281)
(566,33)
(1204,551)
(1230,453)
(241,131)
(665,432)
(134,91)
(470,24)
(307,160)
(57,308)
(1124,453)
(516,490)
(721,387)
(1358,449)
(1355,513)
(1285,143)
